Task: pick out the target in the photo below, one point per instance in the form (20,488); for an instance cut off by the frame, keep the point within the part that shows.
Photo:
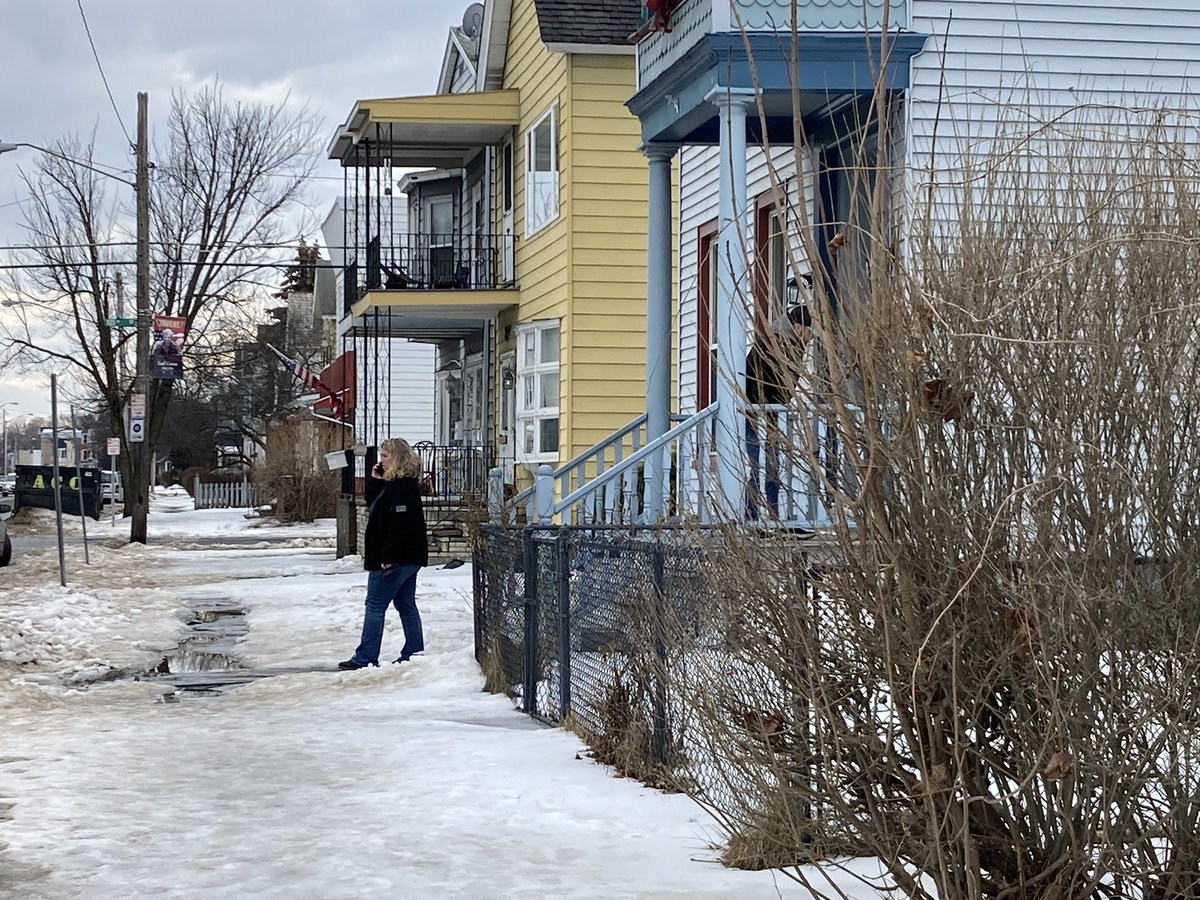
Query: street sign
(120,322)
(137,430)
(114,446)
(137,406)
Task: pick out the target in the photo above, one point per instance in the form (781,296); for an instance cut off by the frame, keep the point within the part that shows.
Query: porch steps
(450,529)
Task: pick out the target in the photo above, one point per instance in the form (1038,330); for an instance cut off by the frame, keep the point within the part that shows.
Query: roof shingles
(596,22)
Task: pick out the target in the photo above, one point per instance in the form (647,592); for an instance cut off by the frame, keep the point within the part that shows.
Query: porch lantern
(794,298)
(508,378)
(451,367)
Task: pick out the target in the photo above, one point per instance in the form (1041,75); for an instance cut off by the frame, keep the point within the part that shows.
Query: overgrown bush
(995,689)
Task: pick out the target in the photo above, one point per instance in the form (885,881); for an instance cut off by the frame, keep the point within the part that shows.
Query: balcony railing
(429,262)
(454,472)
(692,19)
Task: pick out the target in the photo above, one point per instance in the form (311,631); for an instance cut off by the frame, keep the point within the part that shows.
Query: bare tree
(986,674)
(227,187)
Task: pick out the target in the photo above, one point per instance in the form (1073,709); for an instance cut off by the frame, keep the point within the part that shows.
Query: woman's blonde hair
(405,462)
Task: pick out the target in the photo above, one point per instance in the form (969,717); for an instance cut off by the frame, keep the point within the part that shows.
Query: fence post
(661,737)
(531,622)
(196,492)
(479,581)
(495,495)
(563,569)
(543,495)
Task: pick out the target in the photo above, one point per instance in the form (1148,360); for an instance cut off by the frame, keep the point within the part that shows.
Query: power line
(277,245)
(103,77)
(108,263)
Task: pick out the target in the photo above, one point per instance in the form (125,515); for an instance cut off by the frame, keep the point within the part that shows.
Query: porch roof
(833,70)
(440,130)
(427,315)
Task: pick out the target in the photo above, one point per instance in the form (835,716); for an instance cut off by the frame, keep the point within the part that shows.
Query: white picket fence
(242,495)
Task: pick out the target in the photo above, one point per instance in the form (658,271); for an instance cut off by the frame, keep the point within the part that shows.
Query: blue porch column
(732,303)
(658,320)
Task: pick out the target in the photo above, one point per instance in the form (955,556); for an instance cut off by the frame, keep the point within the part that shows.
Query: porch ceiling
(443,130)
(427,315)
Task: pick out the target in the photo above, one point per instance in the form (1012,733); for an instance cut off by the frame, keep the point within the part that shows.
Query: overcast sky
(325,54)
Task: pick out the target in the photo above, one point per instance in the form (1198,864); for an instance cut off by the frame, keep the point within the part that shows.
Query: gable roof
(588,22)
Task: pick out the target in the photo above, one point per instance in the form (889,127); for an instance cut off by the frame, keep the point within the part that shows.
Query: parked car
(111,488)
(8,484)
(5,542)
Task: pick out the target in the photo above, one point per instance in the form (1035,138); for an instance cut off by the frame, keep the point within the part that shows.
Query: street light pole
(140,461)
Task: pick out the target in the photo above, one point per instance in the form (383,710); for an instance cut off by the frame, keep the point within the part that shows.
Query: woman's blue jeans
(386,587)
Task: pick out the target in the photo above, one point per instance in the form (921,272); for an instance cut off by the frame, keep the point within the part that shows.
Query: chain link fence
(617,635)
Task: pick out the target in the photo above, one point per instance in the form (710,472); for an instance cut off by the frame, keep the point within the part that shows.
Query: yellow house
(519,247)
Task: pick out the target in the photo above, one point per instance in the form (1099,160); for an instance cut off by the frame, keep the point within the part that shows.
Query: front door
(441,242)
(443,415)
(507,453)
(481,275)
(507,273)
(472,381)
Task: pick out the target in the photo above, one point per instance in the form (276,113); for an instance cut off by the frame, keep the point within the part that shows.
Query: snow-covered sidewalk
(401,781)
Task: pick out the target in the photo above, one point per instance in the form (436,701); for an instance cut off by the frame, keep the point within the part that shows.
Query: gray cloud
(324,54)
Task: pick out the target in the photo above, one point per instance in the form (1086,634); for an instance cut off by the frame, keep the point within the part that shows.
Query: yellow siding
(542,261)
(608,238)
(588,267)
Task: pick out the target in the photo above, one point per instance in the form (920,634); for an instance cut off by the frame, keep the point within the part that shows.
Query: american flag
(303,373)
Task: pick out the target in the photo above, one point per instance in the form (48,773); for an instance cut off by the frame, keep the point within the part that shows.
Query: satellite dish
(472,23)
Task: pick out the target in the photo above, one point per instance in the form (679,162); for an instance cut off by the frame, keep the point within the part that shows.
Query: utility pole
(140,467)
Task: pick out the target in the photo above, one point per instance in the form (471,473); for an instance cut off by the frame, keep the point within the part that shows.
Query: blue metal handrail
(578,465)
(602,491)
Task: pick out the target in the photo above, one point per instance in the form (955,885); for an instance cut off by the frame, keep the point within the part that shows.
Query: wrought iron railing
(455,472)
(429,262)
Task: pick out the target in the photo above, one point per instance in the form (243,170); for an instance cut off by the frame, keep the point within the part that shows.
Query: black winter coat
(395,524)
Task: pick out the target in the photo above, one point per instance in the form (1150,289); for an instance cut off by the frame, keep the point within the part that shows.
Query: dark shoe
(404,659)
(352,664)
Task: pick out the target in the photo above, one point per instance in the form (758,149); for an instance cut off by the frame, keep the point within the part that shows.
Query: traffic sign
(137,405)
(113,446)
(120,322)
(137,429)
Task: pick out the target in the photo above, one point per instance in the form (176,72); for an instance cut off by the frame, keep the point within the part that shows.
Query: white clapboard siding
(395,400)
(999,66)
(698,204)
(464,76)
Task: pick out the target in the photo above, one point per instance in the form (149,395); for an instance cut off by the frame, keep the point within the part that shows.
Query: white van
(111,488)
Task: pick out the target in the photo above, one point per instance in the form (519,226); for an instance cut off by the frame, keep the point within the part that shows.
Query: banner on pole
(166,356)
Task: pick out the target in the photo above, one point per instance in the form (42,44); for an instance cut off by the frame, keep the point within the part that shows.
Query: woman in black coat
(394,549)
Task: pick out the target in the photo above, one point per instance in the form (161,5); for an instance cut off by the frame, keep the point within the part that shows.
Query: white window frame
(541,188)
(536,414)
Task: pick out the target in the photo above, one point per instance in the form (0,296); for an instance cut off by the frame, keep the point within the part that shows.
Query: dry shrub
(626,737)
(996,690)
(295,473)
(496,677)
